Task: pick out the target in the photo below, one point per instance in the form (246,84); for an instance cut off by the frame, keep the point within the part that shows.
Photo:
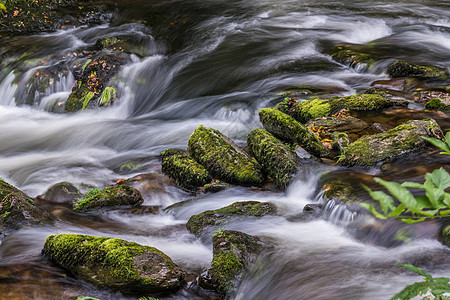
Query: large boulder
(307,110)
(405,69)
(220,217)
(184,170)
(404,139)
(288,129)
(17,209)
(223,158)
(112,196)
(114,263)
(276,159)
(233,254)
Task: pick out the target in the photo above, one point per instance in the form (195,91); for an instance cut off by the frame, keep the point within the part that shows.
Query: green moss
(223,158)
(404,69)
(436,104)
(401,140)
(220,217)
(288,129)
(277,160)
(107,97)
(445,236)
(109,197)
(307,110)
(185,170)
(78,97)
(114,263)
(352,57)
(227,267)
(340,140)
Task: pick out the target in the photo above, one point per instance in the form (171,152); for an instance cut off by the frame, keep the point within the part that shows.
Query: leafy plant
(437,287)
(444,145)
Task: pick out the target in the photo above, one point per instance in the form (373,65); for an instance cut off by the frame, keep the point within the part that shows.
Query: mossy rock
(437,104)
(342,122)
(340,140)
(223,158)
(233,254)
(62,192)
(405,69)
(129,44)
(288,129)
(219,217)
(444,235)
(402,140)
(184,170)
(352,58)
(17,209)
(275,158)
(114,263)
(216,186)
(111,196)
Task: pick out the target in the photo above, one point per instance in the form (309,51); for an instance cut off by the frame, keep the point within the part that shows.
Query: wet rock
(340,140)
(275,158)
(400,141)
(215,186)
(112,196)
(288,129)
(314,210)
(132,44)
(405,69)
(233,254)
(344,54)
(223,158)
(186,172)
(17,209)
(444,235)
(92,80)
(220,217)
(62,192)
(342,121)
(114,263)
(305,111)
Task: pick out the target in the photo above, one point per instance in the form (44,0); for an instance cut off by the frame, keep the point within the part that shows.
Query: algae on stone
(114,263)
(405,69)
(219,217)
(223,158)
(111,196)
(397,142)
(275,158)
(437,104)
(233,254)
(184,170)
(288,129)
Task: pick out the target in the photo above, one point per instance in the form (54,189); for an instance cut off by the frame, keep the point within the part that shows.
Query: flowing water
(214,63)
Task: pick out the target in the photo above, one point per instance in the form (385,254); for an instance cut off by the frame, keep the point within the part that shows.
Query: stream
(214,63)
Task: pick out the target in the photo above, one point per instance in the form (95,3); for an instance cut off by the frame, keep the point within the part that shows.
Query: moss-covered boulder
(112,196)
(307,110)
(277,160)
(402,140)
(233,254)
(114,263)
(405,69)
(352,57)
(220,217)
(288,129)
(438,104)
(340,140)
(223,158)
(62,192)
(444,235)
(186,172)
(17,209)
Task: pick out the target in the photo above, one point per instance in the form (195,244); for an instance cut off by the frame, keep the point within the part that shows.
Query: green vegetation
(437,104)
(109,197)
(434,286)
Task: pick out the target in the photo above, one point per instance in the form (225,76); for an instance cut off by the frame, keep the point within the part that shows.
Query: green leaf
(398,210)
(430,213)
(423,202)
(2,7)
(412,221)
(417,270)
(447,199)
(401,193)
(412,185)
(444,212)
(440,178)
(373,211)
(411,291)
(434,195)
(386,201)
(438,143)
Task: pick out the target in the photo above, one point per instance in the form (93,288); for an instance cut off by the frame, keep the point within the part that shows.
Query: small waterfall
(338,213)
(8,90)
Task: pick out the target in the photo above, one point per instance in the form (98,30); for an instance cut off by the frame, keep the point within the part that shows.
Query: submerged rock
(233,254)
(276,159)
(305,111)
(114,263)
(405,69)
(184,170)
(219,217)
(62,192)
(353,58)
(17,209)
(111,196)
(397,142)
(287,128)
(223,158)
